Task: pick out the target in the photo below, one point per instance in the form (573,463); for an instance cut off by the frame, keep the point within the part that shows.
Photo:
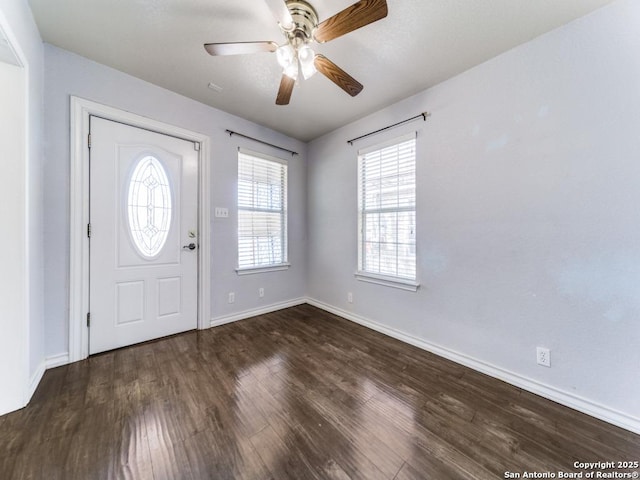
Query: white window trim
(388,143)
(279,266)
(264,156)
(369,277)
(394,282)
(271,268)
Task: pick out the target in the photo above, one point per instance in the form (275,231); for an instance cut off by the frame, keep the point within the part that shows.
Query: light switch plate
(221,212)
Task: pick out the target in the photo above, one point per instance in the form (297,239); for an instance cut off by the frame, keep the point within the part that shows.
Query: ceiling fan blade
(281,13)
(284,93)
(337,75)
(239,48)
(351,18)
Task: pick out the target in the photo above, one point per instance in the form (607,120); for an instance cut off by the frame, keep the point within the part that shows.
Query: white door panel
(143,210)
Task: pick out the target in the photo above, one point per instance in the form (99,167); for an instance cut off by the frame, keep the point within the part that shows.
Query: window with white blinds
(262,211)
(387,209)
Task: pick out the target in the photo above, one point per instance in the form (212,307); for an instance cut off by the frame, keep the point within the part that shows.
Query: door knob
(191,246)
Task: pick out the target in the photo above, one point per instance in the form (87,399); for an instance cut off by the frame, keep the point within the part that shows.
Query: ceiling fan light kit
(306,57)
(298,22)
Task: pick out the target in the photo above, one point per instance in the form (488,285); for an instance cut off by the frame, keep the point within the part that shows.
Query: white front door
(143,235)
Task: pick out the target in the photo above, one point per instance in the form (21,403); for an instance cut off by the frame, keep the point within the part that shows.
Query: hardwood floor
(296,394)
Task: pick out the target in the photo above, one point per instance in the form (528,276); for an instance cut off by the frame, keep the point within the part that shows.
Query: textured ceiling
(419,44)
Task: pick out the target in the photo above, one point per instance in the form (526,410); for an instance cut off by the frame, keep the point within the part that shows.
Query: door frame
(80,111)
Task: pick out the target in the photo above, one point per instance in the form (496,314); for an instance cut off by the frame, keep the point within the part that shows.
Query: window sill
(269,268)
(408,285)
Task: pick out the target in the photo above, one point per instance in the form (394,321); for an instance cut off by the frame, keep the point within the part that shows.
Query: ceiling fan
(299,24)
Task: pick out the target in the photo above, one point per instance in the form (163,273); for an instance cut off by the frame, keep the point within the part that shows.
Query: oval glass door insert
(149,206)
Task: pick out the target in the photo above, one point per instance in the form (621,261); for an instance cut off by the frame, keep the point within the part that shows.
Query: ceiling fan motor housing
(305,20)
(298,22)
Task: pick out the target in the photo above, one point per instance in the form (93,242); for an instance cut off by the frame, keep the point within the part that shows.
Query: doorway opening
(81,112)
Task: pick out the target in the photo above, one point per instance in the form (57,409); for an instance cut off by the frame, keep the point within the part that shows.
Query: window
(262,212)
(149,206)
(387,213)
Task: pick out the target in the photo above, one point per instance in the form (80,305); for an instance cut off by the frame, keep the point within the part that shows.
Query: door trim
(80,110)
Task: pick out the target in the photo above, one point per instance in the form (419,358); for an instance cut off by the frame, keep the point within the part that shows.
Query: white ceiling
(419,44)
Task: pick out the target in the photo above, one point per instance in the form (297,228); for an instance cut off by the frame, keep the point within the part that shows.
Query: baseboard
(34,381)
(37,375)
(570,400)
(57,360)
(221,320)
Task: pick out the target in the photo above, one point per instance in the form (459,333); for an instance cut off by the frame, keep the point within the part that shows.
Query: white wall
(13,302)
(527,203)
(528,218)
(21,319)
(68,74)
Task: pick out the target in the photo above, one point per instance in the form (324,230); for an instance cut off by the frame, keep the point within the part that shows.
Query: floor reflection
(297,394)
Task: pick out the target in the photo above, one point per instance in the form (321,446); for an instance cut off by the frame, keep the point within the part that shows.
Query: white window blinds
(262,211)
(387,209)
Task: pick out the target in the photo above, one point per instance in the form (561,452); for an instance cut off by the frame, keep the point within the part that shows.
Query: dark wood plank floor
(296,394)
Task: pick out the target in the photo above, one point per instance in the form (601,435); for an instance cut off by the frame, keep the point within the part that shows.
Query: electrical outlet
(232,297)
(261,292)
(349,297)
(543,356)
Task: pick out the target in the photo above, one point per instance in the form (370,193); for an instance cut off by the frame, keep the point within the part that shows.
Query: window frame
(283,212)
(390,280)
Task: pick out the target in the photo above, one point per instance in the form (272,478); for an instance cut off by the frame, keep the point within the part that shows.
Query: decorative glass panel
(149,206)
